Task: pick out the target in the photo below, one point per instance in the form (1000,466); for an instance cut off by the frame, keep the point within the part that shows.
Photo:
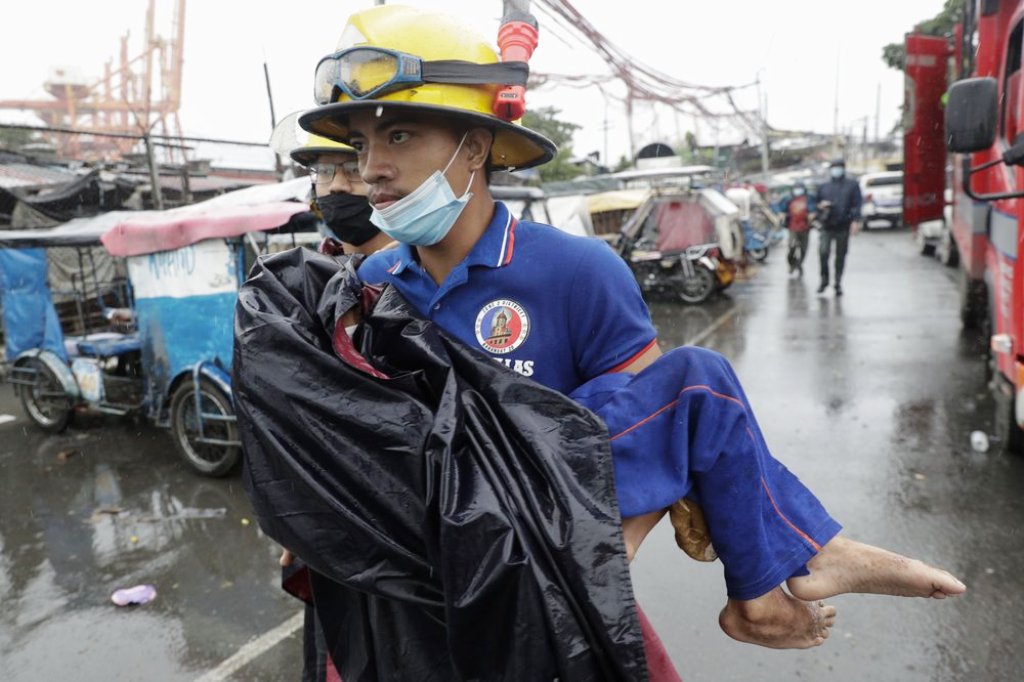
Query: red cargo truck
(984,132)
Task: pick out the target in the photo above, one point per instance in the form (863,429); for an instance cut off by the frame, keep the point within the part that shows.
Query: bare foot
(778,621)
(636,528)
(846,566)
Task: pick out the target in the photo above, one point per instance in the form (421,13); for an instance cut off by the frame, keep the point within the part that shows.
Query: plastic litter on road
(139,594)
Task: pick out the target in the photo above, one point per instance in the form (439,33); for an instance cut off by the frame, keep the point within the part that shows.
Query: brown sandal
(692,533)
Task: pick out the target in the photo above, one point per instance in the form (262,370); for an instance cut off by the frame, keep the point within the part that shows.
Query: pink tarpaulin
(682,224)
(168,230)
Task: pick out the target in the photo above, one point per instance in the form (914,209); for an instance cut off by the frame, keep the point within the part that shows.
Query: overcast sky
(793,45)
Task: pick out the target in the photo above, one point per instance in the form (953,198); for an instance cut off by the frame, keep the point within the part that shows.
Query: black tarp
(84,196)
(460,520)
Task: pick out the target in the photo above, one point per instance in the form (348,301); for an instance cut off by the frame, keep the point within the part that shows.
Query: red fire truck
(984,135)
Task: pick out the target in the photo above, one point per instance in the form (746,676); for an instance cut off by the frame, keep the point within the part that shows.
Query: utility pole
(154,176)
(864,144)
(878,112)
(629,122)
(607,162)
(278,168)
(835,111)
(762,107)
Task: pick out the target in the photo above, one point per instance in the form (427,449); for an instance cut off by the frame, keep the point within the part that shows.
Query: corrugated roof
(27,174)
(209,183)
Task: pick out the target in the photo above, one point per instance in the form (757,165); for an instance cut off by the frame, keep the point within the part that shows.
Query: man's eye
(356,144)
(399,136)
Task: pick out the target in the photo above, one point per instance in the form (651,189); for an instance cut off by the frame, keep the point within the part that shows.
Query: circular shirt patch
(502,326)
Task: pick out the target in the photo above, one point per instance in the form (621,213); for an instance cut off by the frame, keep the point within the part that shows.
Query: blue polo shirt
(555,307)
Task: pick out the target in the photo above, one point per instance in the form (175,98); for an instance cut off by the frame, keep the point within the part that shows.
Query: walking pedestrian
(843,194)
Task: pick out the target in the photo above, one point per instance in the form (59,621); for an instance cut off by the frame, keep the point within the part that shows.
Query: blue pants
(683,428)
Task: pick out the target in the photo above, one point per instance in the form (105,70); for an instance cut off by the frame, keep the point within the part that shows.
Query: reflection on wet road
(869,399)
(106,506)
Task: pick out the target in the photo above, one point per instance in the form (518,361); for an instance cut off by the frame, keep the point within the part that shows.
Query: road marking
(725,317)
(254,649)
(7,418)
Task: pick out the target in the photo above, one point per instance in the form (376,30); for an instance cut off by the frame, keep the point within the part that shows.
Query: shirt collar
(494,248)
(497,244)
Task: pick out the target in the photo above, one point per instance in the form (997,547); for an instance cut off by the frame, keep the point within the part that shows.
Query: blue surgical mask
(798,192)
(426,215)
(837,172)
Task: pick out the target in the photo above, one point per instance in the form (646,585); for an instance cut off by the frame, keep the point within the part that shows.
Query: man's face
(397,151)
(343,182)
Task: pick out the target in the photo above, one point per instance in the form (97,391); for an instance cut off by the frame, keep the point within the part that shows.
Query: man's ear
(478,144)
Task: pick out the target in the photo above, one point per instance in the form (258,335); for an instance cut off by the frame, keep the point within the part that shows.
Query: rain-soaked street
(870,399)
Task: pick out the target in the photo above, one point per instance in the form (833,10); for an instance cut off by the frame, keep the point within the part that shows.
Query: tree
(941,24)
(545,121)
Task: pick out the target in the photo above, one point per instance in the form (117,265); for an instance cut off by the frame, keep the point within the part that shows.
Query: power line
(643,82)
(173,138)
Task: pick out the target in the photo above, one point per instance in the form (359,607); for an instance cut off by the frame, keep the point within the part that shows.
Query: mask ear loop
(452,160)
(457,150)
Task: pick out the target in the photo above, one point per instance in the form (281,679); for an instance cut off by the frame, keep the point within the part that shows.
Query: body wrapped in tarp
(460,521)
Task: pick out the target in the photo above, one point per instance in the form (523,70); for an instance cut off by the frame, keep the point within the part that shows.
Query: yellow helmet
(382,60)
(307,154)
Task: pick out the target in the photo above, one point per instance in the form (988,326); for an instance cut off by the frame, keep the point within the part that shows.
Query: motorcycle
(756,244)
(669,244)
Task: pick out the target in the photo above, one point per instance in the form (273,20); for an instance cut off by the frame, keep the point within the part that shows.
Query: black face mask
(348,217)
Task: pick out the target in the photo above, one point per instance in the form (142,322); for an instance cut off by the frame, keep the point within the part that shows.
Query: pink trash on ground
(140,594)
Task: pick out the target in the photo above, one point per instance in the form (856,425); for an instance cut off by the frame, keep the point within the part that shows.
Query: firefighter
(427,139)
(339,194)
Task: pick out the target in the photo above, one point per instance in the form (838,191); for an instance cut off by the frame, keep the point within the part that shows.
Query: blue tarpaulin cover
(30,320)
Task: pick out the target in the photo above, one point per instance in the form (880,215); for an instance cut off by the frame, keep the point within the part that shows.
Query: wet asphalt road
(869,399)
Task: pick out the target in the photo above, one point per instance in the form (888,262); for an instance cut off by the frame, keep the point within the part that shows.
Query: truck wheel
(1010,435)
(697,287)
(208,459)
(973,302)
(46,402)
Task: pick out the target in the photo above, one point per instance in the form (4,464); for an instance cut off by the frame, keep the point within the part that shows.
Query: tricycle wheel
(213,459)
(696,287)
(46,402)
(759,254)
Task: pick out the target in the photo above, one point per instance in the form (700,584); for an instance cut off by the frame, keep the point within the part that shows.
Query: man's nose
(339,183)
(374,165)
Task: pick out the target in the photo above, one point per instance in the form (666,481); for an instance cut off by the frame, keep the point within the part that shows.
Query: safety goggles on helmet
(323,173)
(369,72)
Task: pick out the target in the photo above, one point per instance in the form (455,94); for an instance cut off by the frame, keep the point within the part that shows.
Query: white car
(882,195)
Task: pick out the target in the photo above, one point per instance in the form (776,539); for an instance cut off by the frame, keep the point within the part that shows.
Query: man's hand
(286,558)
(855,227)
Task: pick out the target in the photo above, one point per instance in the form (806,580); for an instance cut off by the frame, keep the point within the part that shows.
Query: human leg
(824,247)
(685,425)
(842,239)
(778,620)
(802,239)
(846,566)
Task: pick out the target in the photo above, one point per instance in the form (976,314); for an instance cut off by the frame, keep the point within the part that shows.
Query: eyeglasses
(323,173)
(367,72)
